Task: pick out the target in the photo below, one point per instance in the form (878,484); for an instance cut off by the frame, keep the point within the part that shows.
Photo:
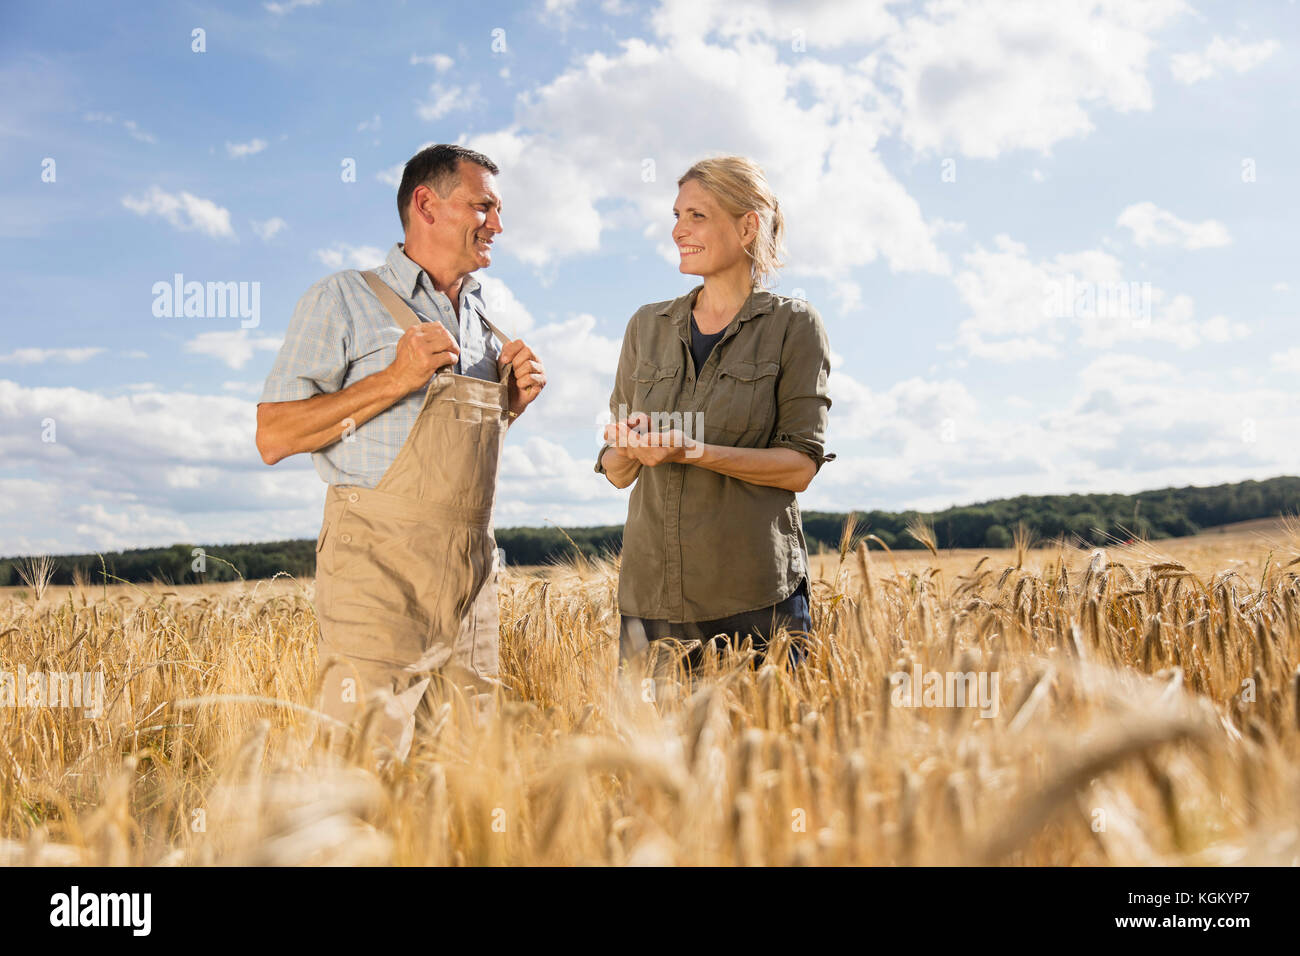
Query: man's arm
(309,424)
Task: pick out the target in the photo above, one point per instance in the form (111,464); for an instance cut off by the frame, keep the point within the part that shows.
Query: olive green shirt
(699,545)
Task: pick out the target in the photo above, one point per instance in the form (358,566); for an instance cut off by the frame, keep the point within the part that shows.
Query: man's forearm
(310,424)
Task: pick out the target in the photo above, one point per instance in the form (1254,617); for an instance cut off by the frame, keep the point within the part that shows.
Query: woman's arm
(620,468)
(796,451)
(774,467)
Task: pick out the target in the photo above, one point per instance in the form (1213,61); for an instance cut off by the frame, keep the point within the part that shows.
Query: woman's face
(708,239)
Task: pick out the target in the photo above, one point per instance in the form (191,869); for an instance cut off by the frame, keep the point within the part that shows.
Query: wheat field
(1147,712)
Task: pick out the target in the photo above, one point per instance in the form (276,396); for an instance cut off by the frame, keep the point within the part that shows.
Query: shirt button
(354,497)
(346,539)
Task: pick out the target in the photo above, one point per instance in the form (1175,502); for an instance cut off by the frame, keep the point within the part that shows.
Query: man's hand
(421,351)
(529,378)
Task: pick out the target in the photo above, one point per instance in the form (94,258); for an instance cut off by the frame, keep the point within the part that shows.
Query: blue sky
(964,183)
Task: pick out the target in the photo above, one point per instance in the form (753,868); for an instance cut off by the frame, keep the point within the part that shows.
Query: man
(394,383)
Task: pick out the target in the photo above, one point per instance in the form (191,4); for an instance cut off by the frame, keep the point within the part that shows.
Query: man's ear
(424,201)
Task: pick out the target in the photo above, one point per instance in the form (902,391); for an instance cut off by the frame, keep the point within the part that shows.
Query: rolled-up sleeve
(621,397)
(314,356)
(803,402)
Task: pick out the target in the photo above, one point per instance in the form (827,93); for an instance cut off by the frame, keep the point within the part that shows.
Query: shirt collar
(679,309)
(408,274)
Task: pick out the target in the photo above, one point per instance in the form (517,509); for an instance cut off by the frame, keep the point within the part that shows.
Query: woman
(719,409)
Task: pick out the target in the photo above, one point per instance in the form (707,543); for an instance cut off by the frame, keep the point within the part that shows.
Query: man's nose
(494,221)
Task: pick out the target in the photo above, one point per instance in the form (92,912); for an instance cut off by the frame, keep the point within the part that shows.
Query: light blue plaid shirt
(340,333)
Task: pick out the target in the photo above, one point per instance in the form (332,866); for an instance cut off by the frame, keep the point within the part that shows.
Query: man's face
(468,220)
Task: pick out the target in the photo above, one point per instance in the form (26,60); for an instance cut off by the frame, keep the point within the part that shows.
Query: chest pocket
(743,404)
(374,347)
(652,387)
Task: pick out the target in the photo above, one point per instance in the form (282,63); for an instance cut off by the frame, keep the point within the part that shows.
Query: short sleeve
(620,398)
(803,402)
(314,356)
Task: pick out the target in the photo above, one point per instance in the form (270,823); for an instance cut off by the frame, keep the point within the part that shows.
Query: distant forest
(1082,519)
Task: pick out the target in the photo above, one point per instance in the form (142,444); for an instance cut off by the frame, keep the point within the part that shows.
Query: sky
(1054,244)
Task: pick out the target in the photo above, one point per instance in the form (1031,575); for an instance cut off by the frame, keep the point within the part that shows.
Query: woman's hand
(632,439)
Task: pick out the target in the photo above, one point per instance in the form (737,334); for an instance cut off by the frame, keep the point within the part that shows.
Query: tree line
(1086,519)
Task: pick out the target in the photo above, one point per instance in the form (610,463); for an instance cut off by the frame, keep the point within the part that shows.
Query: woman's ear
(748,228)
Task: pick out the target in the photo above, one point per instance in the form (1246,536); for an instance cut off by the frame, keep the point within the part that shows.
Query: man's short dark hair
(437,167)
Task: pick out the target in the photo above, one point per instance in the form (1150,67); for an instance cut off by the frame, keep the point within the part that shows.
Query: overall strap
(402,313)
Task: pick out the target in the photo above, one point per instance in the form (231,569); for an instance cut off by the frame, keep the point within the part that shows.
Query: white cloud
(146,468)
(240,150)
(814,126)
(183,210)
(343,256)
(914,404)
(503,308)
(137,133)
(1022,309)
(1219,328)
(1152,226)
(266,229)
(1131,424)
(33,356)
(440,61)
(982,77)
(580,364)
(1288,361)
(280,9)
(234,348)
(392,176)
(130,126)
(374,123)
(814,24)
(541,481)
(446,99)
(558,8)
(1220,54)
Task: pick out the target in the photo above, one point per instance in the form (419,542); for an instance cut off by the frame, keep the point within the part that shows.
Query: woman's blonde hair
(739,186)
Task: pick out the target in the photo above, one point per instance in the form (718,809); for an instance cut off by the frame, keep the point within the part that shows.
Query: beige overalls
(406,572)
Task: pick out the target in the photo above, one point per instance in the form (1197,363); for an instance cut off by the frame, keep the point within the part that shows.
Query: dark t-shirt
(701,344)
